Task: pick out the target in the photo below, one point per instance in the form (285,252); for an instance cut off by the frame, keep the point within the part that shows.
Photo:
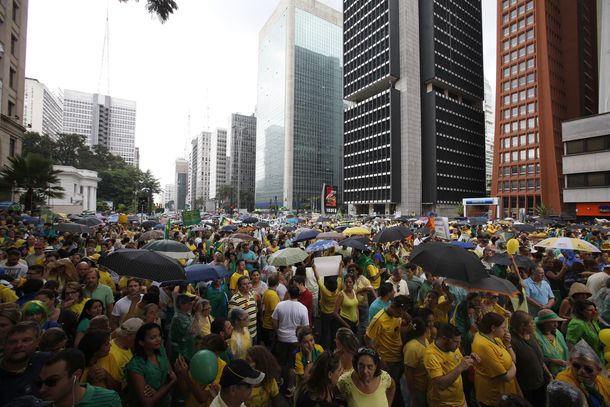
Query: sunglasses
(587,369)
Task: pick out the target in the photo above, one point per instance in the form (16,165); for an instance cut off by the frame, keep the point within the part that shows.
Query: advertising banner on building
(329,199)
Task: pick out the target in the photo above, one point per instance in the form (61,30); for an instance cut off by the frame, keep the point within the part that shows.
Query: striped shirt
(248,304)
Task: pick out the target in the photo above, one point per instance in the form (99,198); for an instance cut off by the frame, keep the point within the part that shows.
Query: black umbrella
(501,259)
(250,220)
(228,228)
(149,223)
(392,234)
(355,243)
(525,262)
(424,231)
(261,224)
(144,264)
(72,228)
(491,284)
(341,228)
(133,218)
(323,219)
(305,235)
(89,221)
(477,221)
(289,228)
(524,227)
(445,260)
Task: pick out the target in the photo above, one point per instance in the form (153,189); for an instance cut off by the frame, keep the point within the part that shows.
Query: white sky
(202,62)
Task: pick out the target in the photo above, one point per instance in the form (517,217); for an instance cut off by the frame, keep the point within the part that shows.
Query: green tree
(544,211)
(33,176)
(162,8)
(38,144)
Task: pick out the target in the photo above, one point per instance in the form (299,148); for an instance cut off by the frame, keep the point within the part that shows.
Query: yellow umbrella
(356,230)
(567,243)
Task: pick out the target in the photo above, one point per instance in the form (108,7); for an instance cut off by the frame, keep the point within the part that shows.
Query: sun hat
(547,315)
(238,371)
(578,288)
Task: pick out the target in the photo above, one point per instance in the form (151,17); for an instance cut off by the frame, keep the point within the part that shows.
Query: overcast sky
(202,62)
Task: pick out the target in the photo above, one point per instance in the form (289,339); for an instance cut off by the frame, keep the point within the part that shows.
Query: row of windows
(588,145)
(520,125)
(506,17)
(523,185)
(518,39)
(518,82)
(519,170)
(520,141)
(520,155)
(529,20)
(520,53)
(588,179)
(520,67)
(521,110)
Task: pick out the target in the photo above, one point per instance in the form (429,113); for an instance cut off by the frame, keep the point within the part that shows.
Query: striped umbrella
(567,243)
(145,264)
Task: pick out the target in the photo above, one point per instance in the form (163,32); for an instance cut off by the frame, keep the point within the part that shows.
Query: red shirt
(306,298)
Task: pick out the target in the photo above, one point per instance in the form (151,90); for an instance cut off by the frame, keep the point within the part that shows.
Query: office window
(15,12)
(12,79)
(11,148)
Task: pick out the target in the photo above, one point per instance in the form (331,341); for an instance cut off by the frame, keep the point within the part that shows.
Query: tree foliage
(162,8)
(34,177)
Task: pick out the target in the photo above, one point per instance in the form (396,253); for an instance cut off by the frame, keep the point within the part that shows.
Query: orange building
(546,73)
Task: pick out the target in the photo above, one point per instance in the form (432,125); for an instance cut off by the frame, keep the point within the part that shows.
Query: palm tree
(33,176)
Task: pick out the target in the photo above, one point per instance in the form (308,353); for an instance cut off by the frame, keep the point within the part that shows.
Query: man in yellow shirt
(120,350)
(270,301)
(385,334)
(445,364)
(240,272)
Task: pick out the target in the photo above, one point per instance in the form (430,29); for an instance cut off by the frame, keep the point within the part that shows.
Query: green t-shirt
(154,375)
(98,396)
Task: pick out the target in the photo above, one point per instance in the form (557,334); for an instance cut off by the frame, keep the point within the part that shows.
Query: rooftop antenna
(105,54)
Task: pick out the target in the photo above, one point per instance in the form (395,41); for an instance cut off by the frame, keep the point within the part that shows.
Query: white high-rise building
(218,161)
(490,120)
(42,109)
(169,195)
(199,171)
(103,120)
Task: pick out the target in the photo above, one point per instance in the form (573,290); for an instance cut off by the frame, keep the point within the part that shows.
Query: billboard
(329,199)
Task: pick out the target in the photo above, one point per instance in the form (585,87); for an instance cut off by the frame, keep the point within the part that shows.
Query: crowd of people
(379,331)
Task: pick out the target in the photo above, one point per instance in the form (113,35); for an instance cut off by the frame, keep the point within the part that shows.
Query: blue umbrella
(306,234)
(29,220)
(159,226)
(321,245)
(292,220)
(463,245)
(205,272)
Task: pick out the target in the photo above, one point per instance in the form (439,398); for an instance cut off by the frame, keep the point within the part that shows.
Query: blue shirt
(249,256)
(377,306)
(540,293)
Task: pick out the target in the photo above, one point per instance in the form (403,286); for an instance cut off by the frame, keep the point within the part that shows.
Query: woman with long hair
(203,319)
(149,373)
(240,340)
(267,391)
(416,374)
(92,309)
(346,345)
(346,306)
(319,389)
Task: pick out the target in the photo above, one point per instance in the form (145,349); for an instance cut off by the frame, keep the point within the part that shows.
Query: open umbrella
(228,228)
(88,221)
(356,231)
(305,234)
(133,219)
(242,236)
(250,220)
(151,235)
(288,228)
(525,262)
(331,236)
(287,257)
(491,284)
(261,224)
(75,228)
(423,231)
(354,243)
(323,219)
(392,234)
(321,245)
(149,223)
(159,226)
(524,227)
(145,264)
(445,260)
(199,229)
(205,272)
(170,248)
(567,243)
(30,220)
(341,228)
(463,245)
(501,259)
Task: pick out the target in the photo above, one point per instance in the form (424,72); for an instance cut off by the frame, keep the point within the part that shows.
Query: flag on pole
(168,228)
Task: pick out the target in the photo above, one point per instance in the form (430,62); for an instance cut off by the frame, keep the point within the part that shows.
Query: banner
(329,199)
(191,217)
(441,228)
(327,266)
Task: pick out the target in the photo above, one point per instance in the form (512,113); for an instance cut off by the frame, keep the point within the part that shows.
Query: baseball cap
(238,371)
(131,325)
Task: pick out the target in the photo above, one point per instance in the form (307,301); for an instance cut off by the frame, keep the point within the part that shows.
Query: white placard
(441,228)
(327,266)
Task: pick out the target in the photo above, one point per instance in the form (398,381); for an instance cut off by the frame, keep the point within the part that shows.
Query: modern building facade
(547,73)
(13,35)
(43,111)
(218,162)
(490,119)
(414,127)
(199,170)
(102,120)
(299,105)
(181,182)
(586,166)
(80,190)
(603,46)
(241,152)
(168,197)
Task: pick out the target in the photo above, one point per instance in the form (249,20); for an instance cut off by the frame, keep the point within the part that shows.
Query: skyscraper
(199,171)
(490,119)
(43,110)
(181,179)
(102,120)
(547,73)
(241,150)
(414,128)
(299,104)
(218,161)
(168,196)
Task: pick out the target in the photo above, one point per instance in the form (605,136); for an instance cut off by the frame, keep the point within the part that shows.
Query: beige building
(13,33)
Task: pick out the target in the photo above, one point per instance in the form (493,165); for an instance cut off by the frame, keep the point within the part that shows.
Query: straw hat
(547,315)
(578,288)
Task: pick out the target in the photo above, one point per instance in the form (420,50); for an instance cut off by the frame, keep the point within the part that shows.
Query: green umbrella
(287,257)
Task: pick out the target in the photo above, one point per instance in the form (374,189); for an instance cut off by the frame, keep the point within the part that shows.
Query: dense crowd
(379,331)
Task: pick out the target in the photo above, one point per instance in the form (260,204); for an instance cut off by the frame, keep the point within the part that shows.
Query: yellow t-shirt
(240,342)
(106,279)
(191,401)
(299,368)
(361,283)
(374,277)
(349,308)
(441,311)
(385,331)
(495,362)
(328,298)
(234,277)
(438,363)
(270,301)
(121,357)
(262,394)
(7,295)
(356,398)
(413,354)
(78,307)
(205,327)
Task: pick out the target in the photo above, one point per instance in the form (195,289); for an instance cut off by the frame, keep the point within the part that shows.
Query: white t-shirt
(289,314)
(400,288)
(597,281)
(19,270)
(122,306)
(281,291)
